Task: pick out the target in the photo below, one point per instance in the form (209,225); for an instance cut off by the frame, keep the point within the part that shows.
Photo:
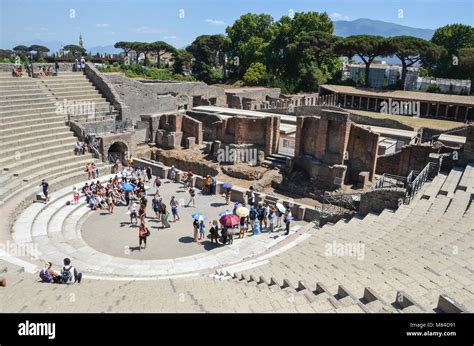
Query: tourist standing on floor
(251,196)
(83,64)
(192,197)
(196,230)
(156,204)
(142,212)
(213,185)
(132,210)
(95,169)
(287,220)
(173,174)
(149,173)
(45,187)
(202,230)
(207,184)
(227,196)
(75,194)
(143,233)
(56,68)
(174,208)
(165,214)
(157,185)
(214,231)
(244,225)
(224,234)
(271,218)
(230,234)
(278,216)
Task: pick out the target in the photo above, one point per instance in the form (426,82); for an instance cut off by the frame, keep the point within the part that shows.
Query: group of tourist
(46,71)
(79,65)
(81,148)
(92,170)
(17,70)
(68,274)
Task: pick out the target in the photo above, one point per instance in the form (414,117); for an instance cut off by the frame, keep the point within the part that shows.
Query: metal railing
(414,186)
(389,180)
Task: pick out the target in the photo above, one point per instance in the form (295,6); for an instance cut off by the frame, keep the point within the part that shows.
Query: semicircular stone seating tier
(52,232)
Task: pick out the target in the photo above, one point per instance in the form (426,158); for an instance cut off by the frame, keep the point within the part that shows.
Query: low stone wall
(377,200)
(300,211)
(184,164)
(107,89)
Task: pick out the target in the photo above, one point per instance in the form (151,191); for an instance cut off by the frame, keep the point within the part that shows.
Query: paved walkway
(54,232)
(115,235)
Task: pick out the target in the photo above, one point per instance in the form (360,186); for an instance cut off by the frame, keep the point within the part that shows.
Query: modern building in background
(386,76)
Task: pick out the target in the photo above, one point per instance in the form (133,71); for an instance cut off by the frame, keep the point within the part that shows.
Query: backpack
(253,214)
(66,276)
(45,276)
(261,213)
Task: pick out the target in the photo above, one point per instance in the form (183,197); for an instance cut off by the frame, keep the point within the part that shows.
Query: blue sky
(104,22)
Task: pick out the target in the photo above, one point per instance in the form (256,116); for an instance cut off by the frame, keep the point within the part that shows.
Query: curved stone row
(424,248)
(53,230)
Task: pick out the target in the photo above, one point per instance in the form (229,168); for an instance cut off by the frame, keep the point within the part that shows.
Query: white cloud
(147,30)
(338,16)
(173,37)
(215,22)
(104,25)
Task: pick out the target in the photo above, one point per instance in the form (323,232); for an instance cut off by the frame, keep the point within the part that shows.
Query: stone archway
(118,151)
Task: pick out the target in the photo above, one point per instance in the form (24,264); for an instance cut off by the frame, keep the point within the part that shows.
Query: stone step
(34,179)
(40,116)
(36,110)
(451,183)
(17,168)
(434,186)
(58,178)
(27,104)
(31,128)
(467,180)
(17,123)
(21,138)
(24,149)
(45,148)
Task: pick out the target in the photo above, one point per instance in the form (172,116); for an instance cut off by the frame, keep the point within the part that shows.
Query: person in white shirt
(69,274)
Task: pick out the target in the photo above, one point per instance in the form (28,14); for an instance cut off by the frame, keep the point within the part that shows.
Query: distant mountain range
(341,28)
(378,27)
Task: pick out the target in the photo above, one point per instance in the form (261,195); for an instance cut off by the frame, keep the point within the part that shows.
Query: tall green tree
(411,50)
(452,38)
(289,33)
(74,50)
(466,64)
(21,50)
(313,60)
(249,38)
(160,48)
(366,47)
(182,59)
(125,46)
(40,50)
(208,52)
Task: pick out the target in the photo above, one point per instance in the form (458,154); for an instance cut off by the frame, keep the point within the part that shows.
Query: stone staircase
(275,160)
(35,144)
(75,91)
(424,248)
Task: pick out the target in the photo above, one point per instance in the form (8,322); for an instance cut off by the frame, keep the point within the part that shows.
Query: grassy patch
(416,123)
